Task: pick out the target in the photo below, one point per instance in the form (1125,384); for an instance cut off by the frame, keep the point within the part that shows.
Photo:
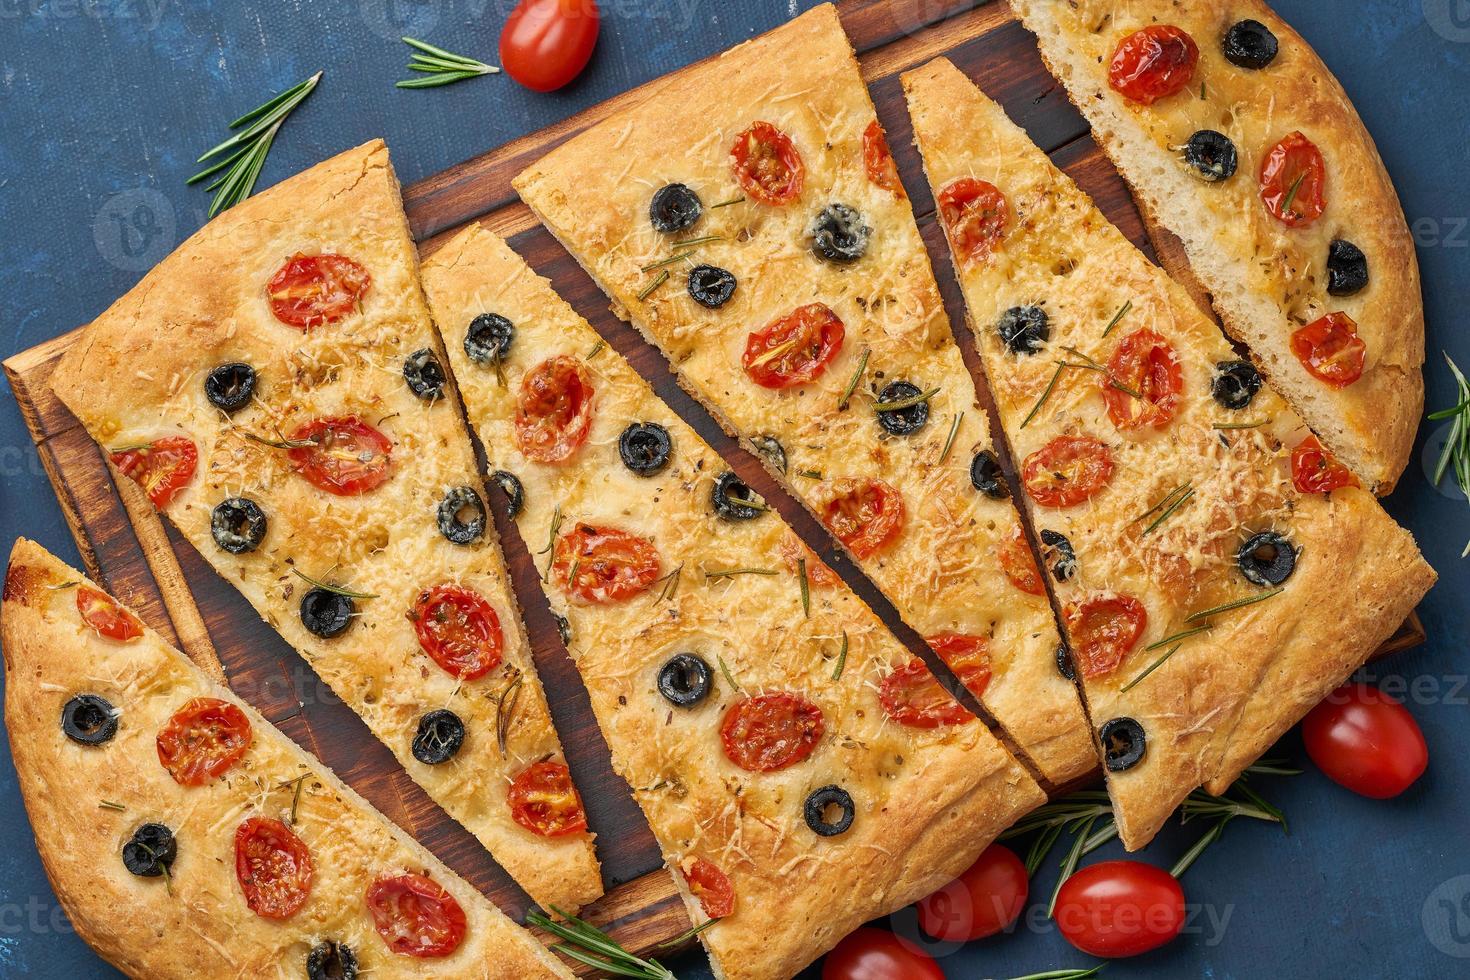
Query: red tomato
(543,800)
(162,468)
(818,575)
(1363,740)
(1019,564)
(103,613)
(975,215)
(1146,363)
(767,165)
(794,349)
(1103,629)
(768,732)
(877,954)
(546,43)
(1067,471)
(712,887)
(968,656)
(342,455)
(610,564)
(1120,908)
(912,696)
(313,290)
(864,514)
(981,902)
(878,160)
(1315,470)
(1153,63)
(416,916)
(273,866)
(554,409)
(1331,349)
(203,740)
(1294,181)
(459,630)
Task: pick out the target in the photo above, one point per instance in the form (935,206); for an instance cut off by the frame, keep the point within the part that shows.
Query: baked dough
(138,374)
(86,801)
(926,800)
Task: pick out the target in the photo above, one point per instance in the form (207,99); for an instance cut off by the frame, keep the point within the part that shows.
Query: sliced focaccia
(800,770)
(1237,138)
(749,221)
(186,837)
(274,387)
(1221,573)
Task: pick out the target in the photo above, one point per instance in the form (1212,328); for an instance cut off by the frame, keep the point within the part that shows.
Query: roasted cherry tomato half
(818,575)
(416,916)
(603,564)
(342,455)
(1331,349)
(981,902)
(912,696)
(712,887)
(1294,181)
(162,468)
(1153,64)
(103,613)
(273,866)
(313,290)
(767,165)
(968,656)
(1019,564)
(459,630)
(1067,471)
(975,216)
(1315,470)
(543,800)
(1144,380)
(554,409)
(1103,629)
(877,954)
(1363,740)
(203,740)
(794,349)
(546,43)
(772,731)
(866,515)
(878,160)
(1120,908)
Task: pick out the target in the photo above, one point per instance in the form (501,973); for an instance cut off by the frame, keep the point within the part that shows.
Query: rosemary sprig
(505,707)
(440,67)
(806,589)
(658,281)
(596,348)
(1150,669)
(1082,827)
(1249,600)
(1224,809)
(555,528)
(661,263)
(1168,498)
(726,204)
(295,786)
(670,585)
(588,944)
(1270,767)
(687,934)
(1180,502)
(853,381)
(245,152)
(338,589)
(954,429)
(909,402)
(1456,449)
(841,658)
(732,572)
(1296,186)
(1117,317)
(1054,819)
(1181,635)
(109,805)
(281,442)
(729,677)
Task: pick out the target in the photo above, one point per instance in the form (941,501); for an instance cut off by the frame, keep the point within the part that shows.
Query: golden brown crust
(197,924)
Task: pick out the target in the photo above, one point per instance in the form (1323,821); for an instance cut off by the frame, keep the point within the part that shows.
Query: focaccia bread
(186,837)
(275,388)
(1222,574)
(800,770)
(1236,137)
(750,222)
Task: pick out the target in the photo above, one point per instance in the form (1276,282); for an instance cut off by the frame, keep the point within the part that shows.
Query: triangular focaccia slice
(186,837)
(287,346)
(1237,138)
(801,772)
(1214,595)
(834,309)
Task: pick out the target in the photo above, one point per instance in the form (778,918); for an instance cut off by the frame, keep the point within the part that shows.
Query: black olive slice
(424,374)
(238,525)
(771,450)
(1212,155)
(1347,268)
(439,737)
(645,448)
(986,476)
(685,680)
(230,387)
(330,960)
(461,515)
(839,234)
(1266,558)
(829,811)
(674,208)
(89,719)
(1057,551)
(734,500)
(488,339)
(1024,329)
(1235,384)
(510,485)
(325,613)
(1064,663)
(151,851)
(563,629)
(1123,744)
(711,286)
(902,421)
(1250,44)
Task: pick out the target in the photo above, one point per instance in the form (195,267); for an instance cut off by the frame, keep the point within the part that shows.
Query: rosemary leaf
(338,589)
(1051,385)
(841,658)
(596,349)
(726,204)
(1168,497)
(1296,186)
(732,572)
(910,402)
(1241,425)
(505,707)
(670,583)
(658,281)
(954,429)
(1180,502)
(1117,317)
(687,934)
(1077,974)
(729,677)
(806,591)
(852,383)
(1150,669)
(1083,828)
(109,805)
(666,262)
(1237,604)
(1456,451)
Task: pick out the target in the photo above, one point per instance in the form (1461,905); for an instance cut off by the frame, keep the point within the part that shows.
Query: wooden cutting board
(131,551)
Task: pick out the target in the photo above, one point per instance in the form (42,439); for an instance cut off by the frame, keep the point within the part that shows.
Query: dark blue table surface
(107,102)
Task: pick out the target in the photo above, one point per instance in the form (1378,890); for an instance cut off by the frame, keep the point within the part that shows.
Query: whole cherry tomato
(547,43)
(982,901)
(1120,908)
(1363,740)
(1153,63)
(876,954)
